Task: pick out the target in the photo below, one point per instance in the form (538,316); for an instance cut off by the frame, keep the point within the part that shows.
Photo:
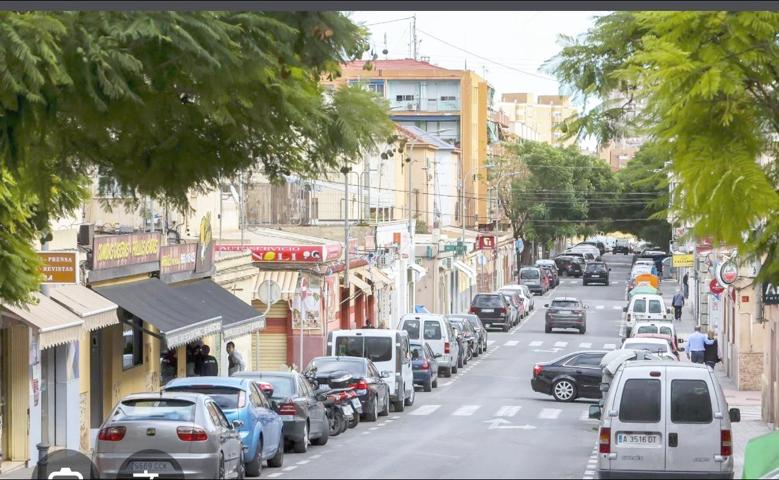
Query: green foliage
(703,86)
(166,102)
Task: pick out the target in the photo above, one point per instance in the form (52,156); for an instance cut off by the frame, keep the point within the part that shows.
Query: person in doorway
(678,303)
(711,351)
(205,363)
(368,324)
(696,345)
(685,282)
(235,361)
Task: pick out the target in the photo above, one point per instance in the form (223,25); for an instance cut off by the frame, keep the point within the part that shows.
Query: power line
(388,21)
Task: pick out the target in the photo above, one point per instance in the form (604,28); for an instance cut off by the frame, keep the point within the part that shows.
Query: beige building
(618,153)
(536,118)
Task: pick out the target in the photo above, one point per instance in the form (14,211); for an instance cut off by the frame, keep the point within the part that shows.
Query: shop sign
(715,287)
(178,258)
(770,294)
(59,267)
(727,272)
(683,260)
(288,253)
(205,246)
(457,247)
(122,250)
(485,242)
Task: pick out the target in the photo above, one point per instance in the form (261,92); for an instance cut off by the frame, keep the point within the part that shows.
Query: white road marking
(289,469)
(585,415)
(572,282)
(424,410)
(314,457)
(508,410)
(366,433)
(609,346)
(549,413)
(600,307)
(585,345)
(302,462)
(511,343)
(373,428)
(561,344)
(536,343)
(466,410)
(616,307)
(490,342)
(274,475)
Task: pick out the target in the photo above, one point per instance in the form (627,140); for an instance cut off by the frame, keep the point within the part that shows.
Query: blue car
(241,399)
(424,363)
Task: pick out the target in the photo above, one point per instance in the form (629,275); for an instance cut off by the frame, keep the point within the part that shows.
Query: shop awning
(418,269)
(287,280)
(95,310)
(378,278)
(179,318)
(238,318)
(468,271)
(357,282)
(55,324)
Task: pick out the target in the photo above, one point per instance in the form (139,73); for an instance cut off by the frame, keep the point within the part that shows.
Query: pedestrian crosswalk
(521,413)
(558,345)
(508,410)
(466,410)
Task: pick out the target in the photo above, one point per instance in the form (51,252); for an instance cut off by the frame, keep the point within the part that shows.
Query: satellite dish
(269,292)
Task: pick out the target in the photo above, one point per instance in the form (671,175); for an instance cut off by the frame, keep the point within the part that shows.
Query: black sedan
(371,389)
(304,417)
(574,375)
(596,272)
(569,266)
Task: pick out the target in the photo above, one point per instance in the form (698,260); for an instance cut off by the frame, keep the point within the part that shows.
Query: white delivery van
(665,419)
(389,350)
(645,307)
(437,332)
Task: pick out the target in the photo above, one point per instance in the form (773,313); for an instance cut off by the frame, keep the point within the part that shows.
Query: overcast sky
(519,42)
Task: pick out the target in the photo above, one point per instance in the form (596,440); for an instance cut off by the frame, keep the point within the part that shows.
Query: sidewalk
(17,472)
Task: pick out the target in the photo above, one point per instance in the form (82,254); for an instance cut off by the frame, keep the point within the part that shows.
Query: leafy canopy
(166,102)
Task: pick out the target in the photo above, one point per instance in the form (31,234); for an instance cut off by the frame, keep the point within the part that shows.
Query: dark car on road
(304,417)
(478,328)
(535,279)
(569,266)
(574,375)
(492,309)
(596,272)
(468,334)
(566,312)
(424,365)
(621,246)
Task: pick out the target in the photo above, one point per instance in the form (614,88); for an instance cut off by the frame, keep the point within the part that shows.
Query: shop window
(132,353)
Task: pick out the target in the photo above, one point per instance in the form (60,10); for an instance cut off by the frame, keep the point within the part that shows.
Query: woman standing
(711,352)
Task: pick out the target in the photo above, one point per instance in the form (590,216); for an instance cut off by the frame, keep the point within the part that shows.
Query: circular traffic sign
(715,287)
(269,292)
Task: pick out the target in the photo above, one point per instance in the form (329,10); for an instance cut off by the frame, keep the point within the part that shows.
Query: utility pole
(414,36)
(241,209)
(345,170)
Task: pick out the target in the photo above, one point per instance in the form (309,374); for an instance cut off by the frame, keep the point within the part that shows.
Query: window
(226,397)
(647,329)
(448,98)
(666,331)
(488,301)
(640,401)
(254,396)
(530,273)
(649,347)
(217,416)
(376,88)
(404,98)
(639,306)
(432,330)
(655,306)
(565,304)
(262,400)
(595,268)
(690,402)
(132,353)
(588,360)
(153,409)
(412,327)
(376,349)
(372,371)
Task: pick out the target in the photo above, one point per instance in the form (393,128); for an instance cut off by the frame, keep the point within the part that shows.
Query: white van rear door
(637,421)
(693,432)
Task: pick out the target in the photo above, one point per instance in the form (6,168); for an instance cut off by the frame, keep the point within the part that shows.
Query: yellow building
(536,117)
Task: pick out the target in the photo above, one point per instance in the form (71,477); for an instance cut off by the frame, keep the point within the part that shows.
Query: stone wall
(750,371)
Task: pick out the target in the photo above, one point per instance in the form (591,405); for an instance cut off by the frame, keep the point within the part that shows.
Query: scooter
(342,406)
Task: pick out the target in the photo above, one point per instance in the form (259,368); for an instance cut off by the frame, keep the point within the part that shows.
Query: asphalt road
(485,422)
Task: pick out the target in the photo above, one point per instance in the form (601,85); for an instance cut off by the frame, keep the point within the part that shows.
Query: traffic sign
(519,245)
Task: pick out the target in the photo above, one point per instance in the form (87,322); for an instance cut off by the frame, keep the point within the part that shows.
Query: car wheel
(410,400)
(344,424)
(460,362)
(506,327)
(453,369)
(385,411)
(323,438)
(373,411)
(548,329)
(277,461)
(582,330)
(448,372)
(254,467)
(476,351)
(434,383)
(354,421)
(335,422)
(301,446)
(564,391)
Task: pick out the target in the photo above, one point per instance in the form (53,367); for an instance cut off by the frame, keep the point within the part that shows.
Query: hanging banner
(287,253)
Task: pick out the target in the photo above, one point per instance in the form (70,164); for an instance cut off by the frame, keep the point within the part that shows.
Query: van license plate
(639,439)
(487,310)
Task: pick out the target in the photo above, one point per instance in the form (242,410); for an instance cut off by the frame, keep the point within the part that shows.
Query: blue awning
(421,309)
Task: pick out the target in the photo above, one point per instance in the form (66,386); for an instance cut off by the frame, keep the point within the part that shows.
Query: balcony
(429,105)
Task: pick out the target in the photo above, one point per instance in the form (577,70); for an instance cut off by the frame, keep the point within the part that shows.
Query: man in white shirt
(235,361)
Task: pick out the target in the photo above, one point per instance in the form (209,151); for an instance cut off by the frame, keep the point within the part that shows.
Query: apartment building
(537,118)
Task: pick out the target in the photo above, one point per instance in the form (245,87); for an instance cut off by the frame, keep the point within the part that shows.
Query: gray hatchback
(168,434)
(566,312)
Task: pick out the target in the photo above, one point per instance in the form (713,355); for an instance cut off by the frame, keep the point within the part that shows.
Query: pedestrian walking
(685,281)
(205,363)
(696,345)
(235,361)
(711,351)
(678,303)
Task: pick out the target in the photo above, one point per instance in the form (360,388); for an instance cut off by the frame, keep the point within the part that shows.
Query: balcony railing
(425,106)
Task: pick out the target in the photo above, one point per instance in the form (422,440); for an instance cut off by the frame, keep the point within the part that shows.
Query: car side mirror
(667,310)
(437,355)
(237,424)
(594,412)
(604,387)
(274,405)
(735,415)
(385,374)
(624,309)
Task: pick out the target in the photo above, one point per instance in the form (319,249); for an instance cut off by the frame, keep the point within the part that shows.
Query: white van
(389,350)
(437,332)
(665,419)
(645,307)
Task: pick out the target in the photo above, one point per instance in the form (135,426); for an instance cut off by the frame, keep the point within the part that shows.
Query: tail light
(604,440)
(361,386)
(425,365)
(446,347)
(287,408)
(112,434)
(191,434)
(537,369)
(241,399)
(726,443)
(473,310)
(502,311)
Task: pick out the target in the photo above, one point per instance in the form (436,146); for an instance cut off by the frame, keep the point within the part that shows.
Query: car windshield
(489,301)
(595,267)
(418,351)
(529,273)
(639,305)
(283,386)
(655,306)
(647,329)
(412,327)
(649,347)
(565,304)
(474,322)
(225,397)
(377,349)
(327,365)
(155,409)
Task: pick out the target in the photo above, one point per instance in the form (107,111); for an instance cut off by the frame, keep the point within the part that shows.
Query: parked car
(425,365)
(596,272)
(599,245)
(438,333)
(492,309)
(566,312)
(552,274)
(468,334)
(303,415)
(388,349)
(462,345)
(524,292)
(569,265)
(189,428)
(621,246)
(518,300)
(670,339)
(662,328)
(478,328)
(240,399)
(367,382)
(574,375)
(661,419)
(654,345)
(535,280)
(517,308)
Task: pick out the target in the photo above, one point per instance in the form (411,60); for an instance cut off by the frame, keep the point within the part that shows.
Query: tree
(703,86)
(166,102)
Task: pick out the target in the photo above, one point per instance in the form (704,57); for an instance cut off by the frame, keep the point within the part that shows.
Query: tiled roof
(398,64)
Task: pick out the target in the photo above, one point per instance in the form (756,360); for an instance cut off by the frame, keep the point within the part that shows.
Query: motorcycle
(342,406)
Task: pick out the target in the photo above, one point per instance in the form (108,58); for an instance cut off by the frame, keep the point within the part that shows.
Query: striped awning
(286,279)
(359,283)
(96,310)
(55,324)
(375,275)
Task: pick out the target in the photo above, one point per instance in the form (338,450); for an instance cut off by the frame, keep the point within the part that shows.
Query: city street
(485,422)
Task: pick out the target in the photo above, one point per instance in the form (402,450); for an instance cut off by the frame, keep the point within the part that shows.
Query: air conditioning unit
(410,106)
(86,234)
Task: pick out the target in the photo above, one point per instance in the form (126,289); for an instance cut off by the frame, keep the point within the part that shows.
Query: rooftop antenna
(385,51)
(413,43)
